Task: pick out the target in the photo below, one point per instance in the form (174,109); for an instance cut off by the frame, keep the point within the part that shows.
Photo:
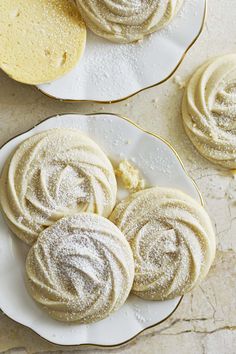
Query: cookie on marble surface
(209,110)
(52,174)
(172,240)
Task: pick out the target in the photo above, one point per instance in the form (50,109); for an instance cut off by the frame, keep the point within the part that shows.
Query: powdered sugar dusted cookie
(127,21)
(80,269)
(172,240)
(55,173)
(209,110)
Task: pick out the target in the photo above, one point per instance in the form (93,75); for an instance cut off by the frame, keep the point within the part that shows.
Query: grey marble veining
(205,322)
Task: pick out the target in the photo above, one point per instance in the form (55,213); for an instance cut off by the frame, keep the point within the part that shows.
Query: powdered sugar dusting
(211,126)
(80,269)
(172,241)
(56,173)
(134,66)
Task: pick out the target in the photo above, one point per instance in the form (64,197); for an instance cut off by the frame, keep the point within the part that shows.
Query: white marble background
(205,322)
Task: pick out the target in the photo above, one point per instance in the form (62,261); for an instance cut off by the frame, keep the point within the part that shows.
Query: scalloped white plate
(110,71)
(159,164)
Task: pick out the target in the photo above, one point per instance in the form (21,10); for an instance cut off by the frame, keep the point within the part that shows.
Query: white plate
(110,71)
(158,164)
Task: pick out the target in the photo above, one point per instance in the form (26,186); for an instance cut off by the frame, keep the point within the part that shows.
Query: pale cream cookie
(127,21)
(40,40)
(52,174)
(172,240)
(80,269)
(209,110)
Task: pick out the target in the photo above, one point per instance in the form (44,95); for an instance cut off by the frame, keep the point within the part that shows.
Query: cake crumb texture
(40,40)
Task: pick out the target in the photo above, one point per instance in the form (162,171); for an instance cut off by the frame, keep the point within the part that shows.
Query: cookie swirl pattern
(127,21)
(209,110)
(172,240)
(80,269)
(55,173)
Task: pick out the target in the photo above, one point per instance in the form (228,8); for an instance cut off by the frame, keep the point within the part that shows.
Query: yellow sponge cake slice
(40,40)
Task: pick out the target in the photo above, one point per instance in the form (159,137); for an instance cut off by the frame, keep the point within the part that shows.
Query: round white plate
(159,165)
(110,71)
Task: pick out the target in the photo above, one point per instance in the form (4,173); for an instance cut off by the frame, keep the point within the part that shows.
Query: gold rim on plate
(143,89)
(187,174)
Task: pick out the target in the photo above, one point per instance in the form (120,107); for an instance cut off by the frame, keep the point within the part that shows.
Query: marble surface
(205,322)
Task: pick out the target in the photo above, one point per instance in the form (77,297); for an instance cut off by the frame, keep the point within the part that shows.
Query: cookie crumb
(130,176)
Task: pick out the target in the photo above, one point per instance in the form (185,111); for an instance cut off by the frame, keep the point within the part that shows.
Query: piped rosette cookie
(172,240)
(52,174)
(209,110)
(127,21)
(80,269)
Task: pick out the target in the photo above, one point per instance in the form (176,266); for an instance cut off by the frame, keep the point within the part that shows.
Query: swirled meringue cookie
(55,173)
(127,21)
(209,110)
(80,269)
(172,240)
